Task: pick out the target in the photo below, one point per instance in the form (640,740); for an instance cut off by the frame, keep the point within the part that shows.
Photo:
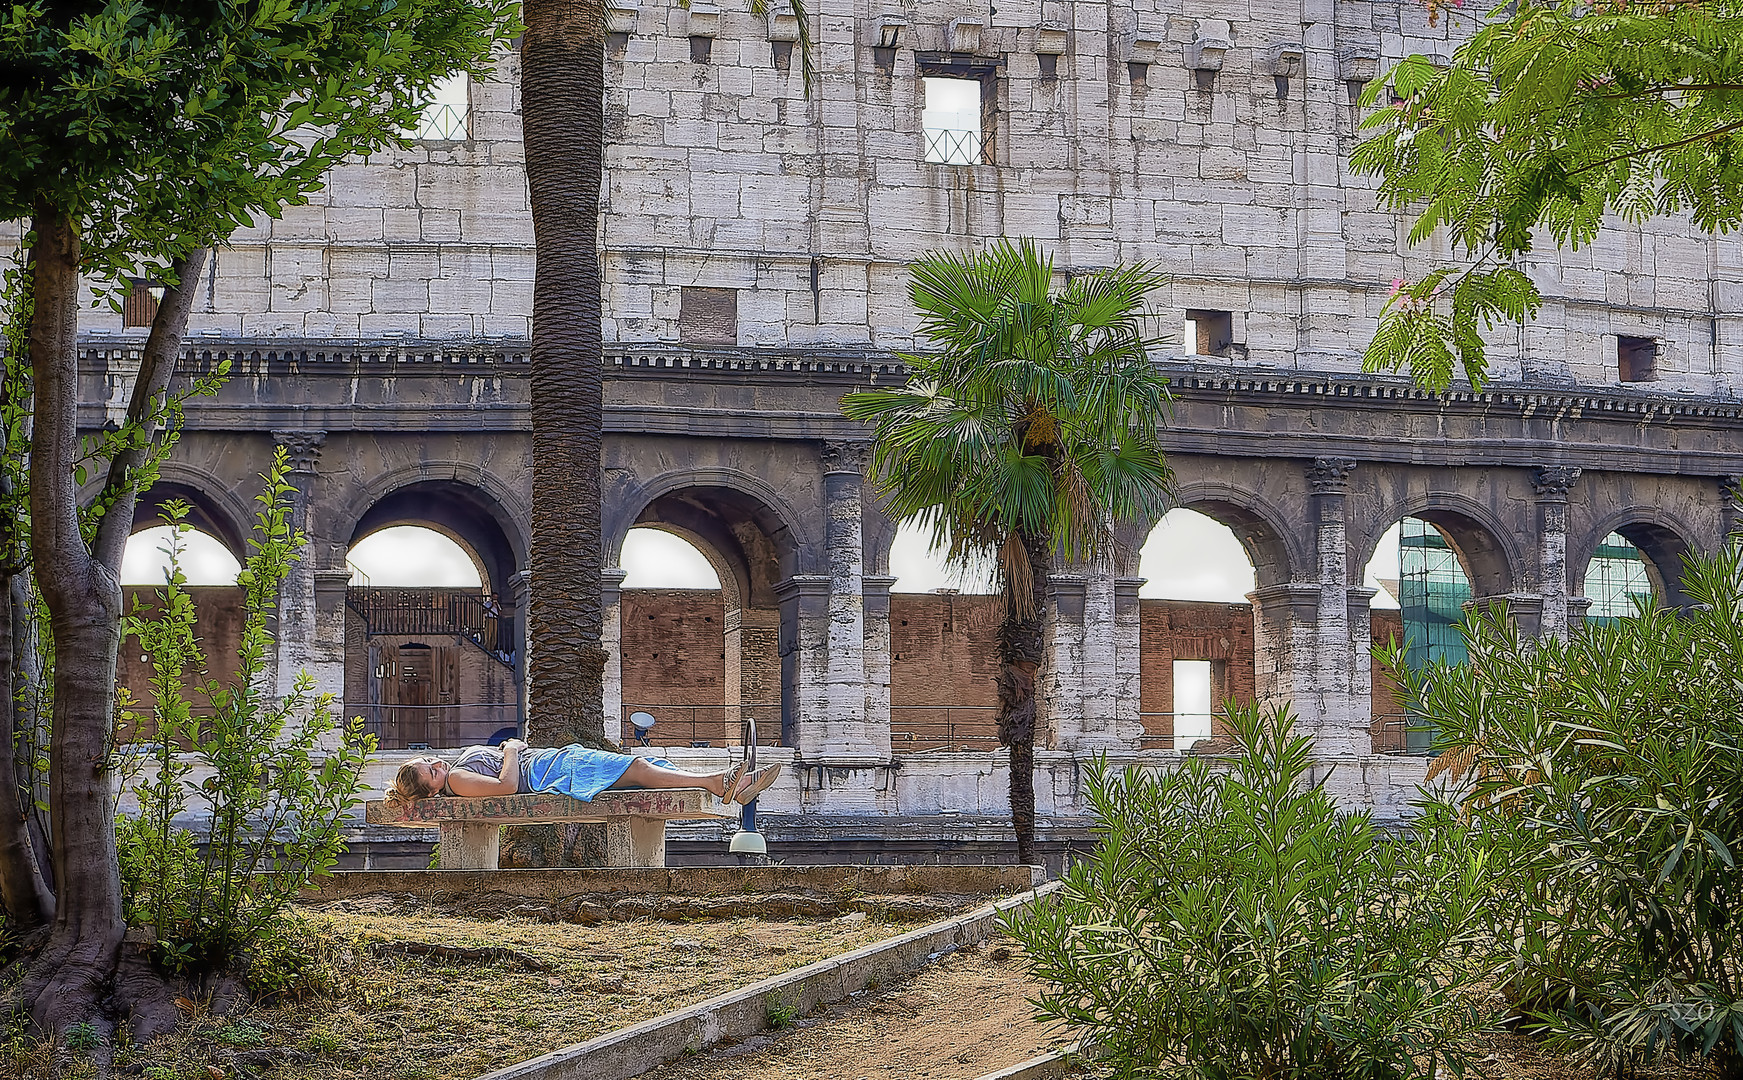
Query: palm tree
(1026,435)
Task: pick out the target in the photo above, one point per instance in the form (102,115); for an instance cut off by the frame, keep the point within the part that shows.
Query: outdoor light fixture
(747,841)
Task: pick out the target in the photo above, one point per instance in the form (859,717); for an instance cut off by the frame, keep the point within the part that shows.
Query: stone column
(1553,616)
(1284,620)
(1060,708)
(610,637)
(309,638)
(1342,722)
(837,727)
(1090,681)
(877,655)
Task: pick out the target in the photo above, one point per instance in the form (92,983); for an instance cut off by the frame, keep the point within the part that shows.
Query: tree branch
(157,367)
(1645,150)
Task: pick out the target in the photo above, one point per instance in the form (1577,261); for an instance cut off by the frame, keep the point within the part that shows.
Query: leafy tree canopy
(160,126)
(1550,120)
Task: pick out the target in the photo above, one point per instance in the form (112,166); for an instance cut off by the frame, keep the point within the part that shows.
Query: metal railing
(444,123)
(426,727)
(943,727)
(953,146)
(416,612)
(702,725)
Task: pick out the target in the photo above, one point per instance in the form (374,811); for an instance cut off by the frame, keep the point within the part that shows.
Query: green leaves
(1608,771)
(1234,923)
(1035,413)
(277,794)
(1551,119)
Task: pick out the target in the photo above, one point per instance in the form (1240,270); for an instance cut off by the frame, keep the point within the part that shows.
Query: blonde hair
(408,786)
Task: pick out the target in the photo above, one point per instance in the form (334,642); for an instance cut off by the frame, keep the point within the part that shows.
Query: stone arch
(215,511)
(1276,552)
(1487,550)
(730,575)
(438,667)
(746,522)
(1662,538)
(463,502)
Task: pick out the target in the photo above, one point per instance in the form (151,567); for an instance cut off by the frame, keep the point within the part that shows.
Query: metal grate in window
(444,123)
(953,146)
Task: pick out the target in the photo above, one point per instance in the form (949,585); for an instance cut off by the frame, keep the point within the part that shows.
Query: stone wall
(218,623)
(740,212)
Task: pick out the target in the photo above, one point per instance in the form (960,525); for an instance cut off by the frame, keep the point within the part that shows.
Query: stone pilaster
(306,641)
(1360,608)
(610,637)
(877,654)
(1284,621)
(839,730)
(804,648)
(1128,666)
(1552,483)
(1061,689)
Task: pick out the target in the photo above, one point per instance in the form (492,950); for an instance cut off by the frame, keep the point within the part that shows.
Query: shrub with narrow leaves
(1609,770)
(1234,923)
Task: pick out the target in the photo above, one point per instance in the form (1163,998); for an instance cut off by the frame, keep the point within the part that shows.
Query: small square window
(139,307)
(1139,73)
(783,55)
(1209,333)
(1637,358)
(1049,65)
(701,48)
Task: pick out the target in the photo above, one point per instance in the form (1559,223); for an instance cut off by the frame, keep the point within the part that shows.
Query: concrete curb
(1040,1067)
(631,1051)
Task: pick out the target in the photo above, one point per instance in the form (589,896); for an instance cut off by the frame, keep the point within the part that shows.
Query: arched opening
(705,662)
(432,634)
(1633,559)
(1195,621)
(209,568)
(203,558)
(1426,570)
(944,623)
(1618,579)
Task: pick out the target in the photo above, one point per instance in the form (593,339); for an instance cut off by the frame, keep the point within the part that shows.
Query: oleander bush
(1234,923)
(1608,768)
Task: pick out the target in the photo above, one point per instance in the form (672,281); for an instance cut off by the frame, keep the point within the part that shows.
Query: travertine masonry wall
(723,175)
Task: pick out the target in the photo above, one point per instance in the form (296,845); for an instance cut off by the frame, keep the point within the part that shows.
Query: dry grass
(412,1018)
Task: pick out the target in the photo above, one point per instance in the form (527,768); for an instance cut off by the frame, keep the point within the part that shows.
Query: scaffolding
(1433,592)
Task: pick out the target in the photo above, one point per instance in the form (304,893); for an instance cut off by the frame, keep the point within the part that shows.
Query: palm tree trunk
(1022,645)
(562,114)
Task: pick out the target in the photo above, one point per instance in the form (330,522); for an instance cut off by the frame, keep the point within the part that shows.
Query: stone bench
(471,829)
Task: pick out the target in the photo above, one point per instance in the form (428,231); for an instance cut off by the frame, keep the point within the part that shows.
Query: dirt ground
(396,1014)
(961,1018)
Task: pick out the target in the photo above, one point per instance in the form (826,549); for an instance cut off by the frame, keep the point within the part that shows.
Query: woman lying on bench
(573,770)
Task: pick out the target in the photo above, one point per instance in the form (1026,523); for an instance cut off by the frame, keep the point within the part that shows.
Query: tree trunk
(562,116)
(1022,645)
(24,889)
(70,976)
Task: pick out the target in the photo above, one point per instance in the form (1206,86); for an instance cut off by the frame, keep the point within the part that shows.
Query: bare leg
(645,774)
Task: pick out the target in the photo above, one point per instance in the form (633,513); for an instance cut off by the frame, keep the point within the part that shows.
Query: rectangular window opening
(783,55)
(1192,679)
(139,307)
(1637,358)
(1209,333)
(1139,73)
(1049,65)
(447,117)
(701,49)
(952,121)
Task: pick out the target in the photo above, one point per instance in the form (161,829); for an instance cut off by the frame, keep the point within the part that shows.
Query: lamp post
(747,841)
